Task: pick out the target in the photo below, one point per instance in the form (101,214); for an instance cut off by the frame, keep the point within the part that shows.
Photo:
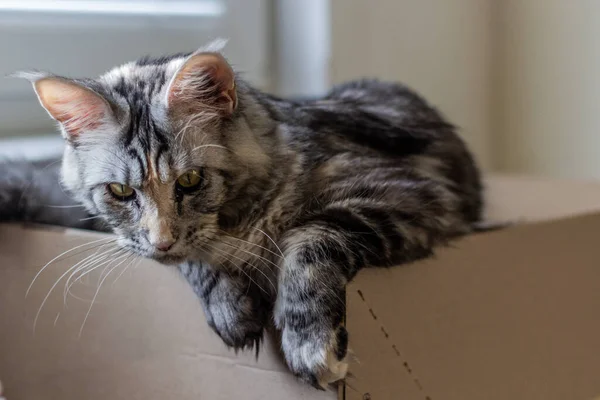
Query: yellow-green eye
(190,180)
(121,191)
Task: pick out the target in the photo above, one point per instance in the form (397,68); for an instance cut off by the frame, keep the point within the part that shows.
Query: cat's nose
(160,236)
(164,245)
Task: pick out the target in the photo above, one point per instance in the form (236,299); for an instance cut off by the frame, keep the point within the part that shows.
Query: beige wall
(548,120)
(521,77)
(442,48)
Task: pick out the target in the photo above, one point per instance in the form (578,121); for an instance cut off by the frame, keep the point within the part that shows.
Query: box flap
(145,337)
(513,314)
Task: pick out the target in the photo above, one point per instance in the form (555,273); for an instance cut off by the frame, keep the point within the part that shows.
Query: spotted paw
(318,358)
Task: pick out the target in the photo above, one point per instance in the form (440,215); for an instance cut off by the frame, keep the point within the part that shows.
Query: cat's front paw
(236,311)
(239,324)
(318,357)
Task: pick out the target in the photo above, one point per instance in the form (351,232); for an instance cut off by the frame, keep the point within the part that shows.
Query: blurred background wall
(521,78)
(441,48)
(547,85)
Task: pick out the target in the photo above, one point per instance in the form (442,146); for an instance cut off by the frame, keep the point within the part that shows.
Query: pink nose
(164,245)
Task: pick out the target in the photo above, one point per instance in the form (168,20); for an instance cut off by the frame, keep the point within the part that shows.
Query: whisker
(241,269)
(121,254)
(60,255)
(272,241)
(249,242)
(37,315)
(89,218)
(226,256)
(139,261)
(253,254)
(218,146)
(91,266)
(94,299)
(55,206)
(87,261)
(82,251)
(125,268)
(262,259)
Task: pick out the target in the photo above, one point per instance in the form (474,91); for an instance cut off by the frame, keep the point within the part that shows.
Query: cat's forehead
(144,80)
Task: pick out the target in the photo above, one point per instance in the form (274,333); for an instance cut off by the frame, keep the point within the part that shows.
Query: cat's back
(367,117)
(369,136)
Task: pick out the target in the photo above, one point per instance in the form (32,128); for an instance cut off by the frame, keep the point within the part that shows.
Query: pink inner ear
(206,82)
(78,109)
(80,117)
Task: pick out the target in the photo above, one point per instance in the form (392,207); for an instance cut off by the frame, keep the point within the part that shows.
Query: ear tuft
(205,84)
(77,108)
(31,76)
(216,46)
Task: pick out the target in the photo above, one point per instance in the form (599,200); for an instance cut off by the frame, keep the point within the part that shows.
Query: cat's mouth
(171,257)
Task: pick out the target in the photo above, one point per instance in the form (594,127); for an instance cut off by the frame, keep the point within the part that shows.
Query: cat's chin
(169,259)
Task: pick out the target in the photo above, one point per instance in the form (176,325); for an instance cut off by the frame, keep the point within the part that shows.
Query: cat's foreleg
(321,256)
(310,305)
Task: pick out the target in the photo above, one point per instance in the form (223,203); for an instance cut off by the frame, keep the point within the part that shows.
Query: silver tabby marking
(296,196)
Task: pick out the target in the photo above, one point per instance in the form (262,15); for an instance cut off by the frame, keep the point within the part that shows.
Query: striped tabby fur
(296,196)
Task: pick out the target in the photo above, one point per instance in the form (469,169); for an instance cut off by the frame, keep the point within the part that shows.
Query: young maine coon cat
(268,206)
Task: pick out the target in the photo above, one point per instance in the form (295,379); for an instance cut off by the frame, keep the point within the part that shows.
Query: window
(87,37)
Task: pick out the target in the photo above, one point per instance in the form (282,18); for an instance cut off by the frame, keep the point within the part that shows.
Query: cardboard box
(512,314)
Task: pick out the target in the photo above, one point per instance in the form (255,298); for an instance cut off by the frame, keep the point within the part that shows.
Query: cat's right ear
(78,109)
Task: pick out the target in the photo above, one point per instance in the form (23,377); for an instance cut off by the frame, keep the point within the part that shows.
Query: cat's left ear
(205,83)
(78,109)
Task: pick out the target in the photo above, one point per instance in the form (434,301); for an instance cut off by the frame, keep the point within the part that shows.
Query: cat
(269,207)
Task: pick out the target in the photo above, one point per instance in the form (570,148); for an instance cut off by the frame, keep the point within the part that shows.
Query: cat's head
(157,148)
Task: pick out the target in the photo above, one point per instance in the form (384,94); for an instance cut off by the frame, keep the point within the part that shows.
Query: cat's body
(294,199)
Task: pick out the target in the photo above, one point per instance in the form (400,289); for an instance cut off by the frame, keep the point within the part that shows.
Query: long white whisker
(211,145)
(60,255)
(100,265)
(139,261)
(121,254)
(124,268)
(81,265)
(94,299)
(241,269)
(272,241)
(253,254)
(227,256)
(89,218)
(73,206)
(249,242)
(91,266)
(104,263)
(37,315)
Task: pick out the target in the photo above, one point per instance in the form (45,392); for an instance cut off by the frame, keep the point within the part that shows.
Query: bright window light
(205,8)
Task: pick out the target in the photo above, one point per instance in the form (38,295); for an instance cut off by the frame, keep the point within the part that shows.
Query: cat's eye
(190,180)
(120,191)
